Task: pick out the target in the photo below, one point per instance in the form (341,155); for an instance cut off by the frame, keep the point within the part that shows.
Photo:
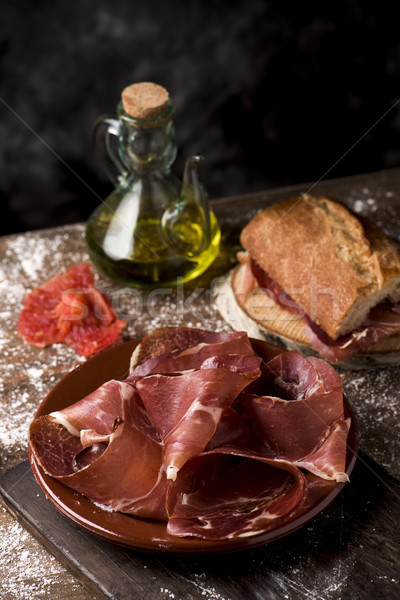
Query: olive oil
(149,261)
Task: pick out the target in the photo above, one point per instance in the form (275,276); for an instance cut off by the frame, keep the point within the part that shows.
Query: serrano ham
(105,475)
(201,345)
(327,459)
(233,495)
(382,321)
(99,410)
(185,439)
(186,409)
(297,420)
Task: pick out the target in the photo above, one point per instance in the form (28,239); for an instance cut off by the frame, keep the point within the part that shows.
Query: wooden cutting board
(350,551)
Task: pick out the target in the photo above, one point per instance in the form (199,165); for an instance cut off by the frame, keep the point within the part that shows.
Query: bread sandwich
(316,277)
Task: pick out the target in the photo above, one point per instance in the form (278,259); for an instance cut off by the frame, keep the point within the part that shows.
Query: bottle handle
(105,132)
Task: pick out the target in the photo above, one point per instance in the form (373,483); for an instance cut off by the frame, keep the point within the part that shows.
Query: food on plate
(215,438)
(68,308)
(317,278)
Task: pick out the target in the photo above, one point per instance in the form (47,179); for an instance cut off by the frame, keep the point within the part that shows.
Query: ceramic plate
(140,533)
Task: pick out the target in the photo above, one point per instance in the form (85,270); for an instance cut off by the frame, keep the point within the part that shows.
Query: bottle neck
(147,144)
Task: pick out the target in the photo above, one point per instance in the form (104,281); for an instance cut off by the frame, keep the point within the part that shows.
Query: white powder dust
(32,573)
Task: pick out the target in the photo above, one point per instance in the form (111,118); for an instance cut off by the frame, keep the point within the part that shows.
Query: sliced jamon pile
(204,435)
(68,308)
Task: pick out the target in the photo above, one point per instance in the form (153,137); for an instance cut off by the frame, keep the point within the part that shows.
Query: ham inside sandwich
(383,319)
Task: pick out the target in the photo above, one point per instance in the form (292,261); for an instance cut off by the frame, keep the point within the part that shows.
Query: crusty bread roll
(335,267)
(332,264)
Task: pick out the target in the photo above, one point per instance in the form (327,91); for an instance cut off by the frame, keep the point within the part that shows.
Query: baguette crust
(334,266)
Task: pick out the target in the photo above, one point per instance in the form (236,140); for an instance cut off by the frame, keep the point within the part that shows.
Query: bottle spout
(186,224)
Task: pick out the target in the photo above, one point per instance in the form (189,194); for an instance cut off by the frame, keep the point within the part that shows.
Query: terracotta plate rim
(126,530)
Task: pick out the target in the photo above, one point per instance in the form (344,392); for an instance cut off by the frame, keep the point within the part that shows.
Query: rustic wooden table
(350,551)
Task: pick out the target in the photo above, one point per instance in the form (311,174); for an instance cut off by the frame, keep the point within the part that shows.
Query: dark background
(272,92)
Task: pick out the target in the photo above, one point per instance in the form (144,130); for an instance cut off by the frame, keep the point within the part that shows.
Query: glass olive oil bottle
(152,230)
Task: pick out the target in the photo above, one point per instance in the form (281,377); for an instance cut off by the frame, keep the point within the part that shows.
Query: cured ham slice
(328,459)
(99,410)
(233,496)
(186,409)
(273,289)
(137,485)
(192,357)
(172,339)
(185,438)
(79,444)
(293,377)
(382,321)
(68,308)
(296,419)
(234,431)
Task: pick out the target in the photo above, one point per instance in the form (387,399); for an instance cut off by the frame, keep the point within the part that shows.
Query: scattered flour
(167,593)
(31,573)
(378,205)
(375,398)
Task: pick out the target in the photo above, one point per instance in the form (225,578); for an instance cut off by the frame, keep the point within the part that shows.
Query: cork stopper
(145,100)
